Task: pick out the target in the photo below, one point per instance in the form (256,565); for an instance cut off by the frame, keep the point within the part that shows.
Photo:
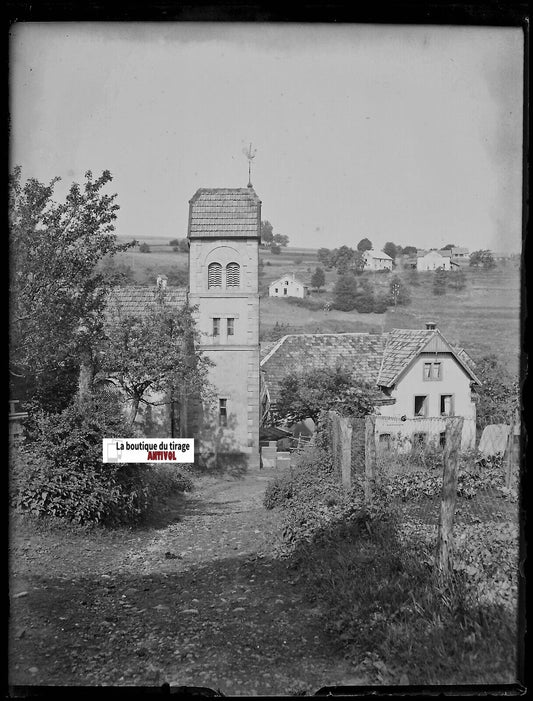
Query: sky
(393,133)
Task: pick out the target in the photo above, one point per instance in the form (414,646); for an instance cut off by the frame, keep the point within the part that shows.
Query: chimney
(161,282)
(431,325)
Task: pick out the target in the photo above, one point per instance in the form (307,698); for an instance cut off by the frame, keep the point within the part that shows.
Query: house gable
(405,346)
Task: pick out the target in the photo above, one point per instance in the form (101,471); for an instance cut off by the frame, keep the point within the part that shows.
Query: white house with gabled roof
(433,260)
(420,378)
(288,286)
(377,260)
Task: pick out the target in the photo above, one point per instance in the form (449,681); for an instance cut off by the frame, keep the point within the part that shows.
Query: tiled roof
(402,346)
(225,212)
(378,255)
(266,347)
(463,355)
(134,300)
(289,276)
(359,352)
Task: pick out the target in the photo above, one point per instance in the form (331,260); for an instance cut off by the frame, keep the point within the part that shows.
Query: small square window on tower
(222,412)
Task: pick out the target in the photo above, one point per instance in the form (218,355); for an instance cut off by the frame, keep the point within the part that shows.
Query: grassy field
(483,318)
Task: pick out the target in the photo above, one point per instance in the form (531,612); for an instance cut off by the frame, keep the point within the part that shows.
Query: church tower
(224,233)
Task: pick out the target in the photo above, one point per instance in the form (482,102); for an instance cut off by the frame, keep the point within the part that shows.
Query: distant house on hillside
(460,254)
(288,286)
(420,378)
(433,260)
(377,260)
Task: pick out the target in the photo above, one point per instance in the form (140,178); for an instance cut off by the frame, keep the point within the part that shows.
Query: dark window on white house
(446,405)
(223,412)
(276,290)
(216,326)
(442,439)
(214,275)
(233,275)
(230,327)
(284,290)
(432,370)
(421,405)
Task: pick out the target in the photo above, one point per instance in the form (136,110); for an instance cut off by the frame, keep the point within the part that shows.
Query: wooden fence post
(370,457)
(454,430)
(509,458)
(345,432)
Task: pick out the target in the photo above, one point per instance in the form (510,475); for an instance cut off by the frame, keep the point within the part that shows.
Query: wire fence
(435,471)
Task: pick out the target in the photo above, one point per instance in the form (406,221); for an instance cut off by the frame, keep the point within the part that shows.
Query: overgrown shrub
(278,491)
(475,473)
(380,305)
(60,472)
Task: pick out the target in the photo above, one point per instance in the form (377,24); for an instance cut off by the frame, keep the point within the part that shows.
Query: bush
(380,305)
(365,303)
(60,472)
(278,491)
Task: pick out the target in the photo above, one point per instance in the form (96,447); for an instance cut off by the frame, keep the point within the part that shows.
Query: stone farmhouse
(420,378)
(288,286)
(377,260)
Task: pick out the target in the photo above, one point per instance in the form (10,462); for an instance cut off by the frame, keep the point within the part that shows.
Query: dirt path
(199,600)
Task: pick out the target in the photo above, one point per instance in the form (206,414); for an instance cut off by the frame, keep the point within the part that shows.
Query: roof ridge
(277,345)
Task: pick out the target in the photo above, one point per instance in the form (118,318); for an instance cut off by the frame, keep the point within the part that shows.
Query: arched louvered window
(233,275)
(214,275)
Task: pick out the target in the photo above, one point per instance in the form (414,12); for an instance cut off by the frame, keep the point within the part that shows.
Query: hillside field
(483,318)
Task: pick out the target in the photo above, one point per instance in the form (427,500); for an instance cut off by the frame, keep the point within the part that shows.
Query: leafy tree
(399,292)
(57,288)
(390,249)
(281,239)
(307,393)
(409,250)
(440,281)
(364,245)
(345,292)
(324,256)
(358,264)
(275,249)
(498,397)
(154,358)
(482,259)
(144,248)
(267,233)
(116,273)
(365,300)
(457,279)
(319,279)
(413,277)
(448,247)
(180,245)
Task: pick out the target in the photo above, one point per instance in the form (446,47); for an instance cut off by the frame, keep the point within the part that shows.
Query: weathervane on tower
(250,155)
